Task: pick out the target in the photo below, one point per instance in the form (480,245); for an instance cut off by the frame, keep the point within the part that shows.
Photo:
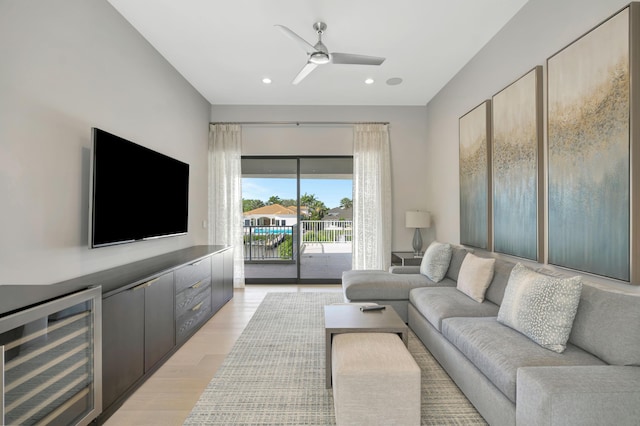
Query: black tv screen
(137,193)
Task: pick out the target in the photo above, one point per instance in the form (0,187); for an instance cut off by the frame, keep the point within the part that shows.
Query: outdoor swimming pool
(272,230)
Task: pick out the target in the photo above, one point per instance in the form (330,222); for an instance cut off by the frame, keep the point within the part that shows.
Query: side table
(405,258)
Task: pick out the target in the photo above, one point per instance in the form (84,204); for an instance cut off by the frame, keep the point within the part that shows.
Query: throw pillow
(540,306)
(475,276)
(435,261)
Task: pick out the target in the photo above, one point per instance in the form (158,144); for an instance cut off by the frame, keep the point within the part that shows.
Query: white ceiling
(225,48)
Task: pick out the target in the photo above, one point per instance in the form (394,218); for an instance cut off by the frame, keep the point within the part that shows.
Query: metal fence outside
(264,243)
(326,231)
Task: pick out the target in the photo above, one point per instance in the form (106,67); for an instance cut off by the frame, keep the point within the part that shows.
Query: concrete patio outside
(317,261)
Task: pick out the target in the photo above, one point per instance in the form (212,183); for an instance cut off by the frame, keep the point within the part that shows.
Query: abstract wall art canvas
(516,171)
(589,151)
(475,177)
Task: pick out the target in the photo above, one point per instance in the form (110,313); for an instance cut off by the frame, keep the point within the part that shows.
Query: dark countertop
(113,280)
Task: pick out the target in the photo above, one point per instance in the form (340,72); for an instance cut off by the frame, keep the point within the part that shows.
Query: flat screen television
(136,193)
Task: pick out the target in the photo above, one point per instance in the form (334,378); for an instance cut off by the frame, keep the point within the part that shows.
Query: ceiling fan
(318,54)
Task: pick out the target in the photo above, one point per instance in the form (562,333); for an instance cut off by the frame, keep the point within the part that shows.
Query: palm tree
(317,209)
(274,199)
(346,203)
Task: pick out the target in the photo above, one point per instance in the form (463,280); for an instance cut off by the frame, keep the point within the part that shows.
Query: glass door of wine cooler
(51,362)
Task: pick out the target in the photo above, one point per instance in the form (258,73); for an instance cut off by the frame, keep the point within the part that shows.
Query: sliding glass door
(270,211)
(297,218)
(326,192)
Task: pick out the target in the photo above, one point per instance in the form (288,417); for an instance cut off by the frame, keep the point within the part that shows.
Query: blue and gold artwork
(474,177)
(589,154)
(516,143)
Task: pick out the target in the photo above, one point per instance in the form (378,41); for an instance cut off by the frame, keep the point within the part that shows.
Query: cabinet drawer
(191,274)
(194,316)
(190,296)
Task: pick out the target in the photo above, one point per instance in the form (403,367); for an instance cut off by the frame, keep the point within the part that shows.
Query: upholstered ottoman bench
(375,379)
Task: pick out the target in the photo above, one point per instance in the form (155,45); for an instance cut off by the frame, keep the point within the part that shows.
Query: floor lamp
(417,219)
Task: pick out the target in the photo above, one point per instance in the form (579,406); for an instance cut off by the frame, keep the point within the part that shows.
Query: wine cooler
(51,359)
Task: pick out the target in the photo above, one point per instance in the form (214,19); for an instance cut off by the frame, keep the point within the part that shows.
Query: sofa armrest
(405,269)
(578,395)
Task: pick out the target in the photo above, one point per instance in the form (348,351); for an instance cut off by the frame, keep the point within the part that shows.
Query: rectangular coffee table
(350,319)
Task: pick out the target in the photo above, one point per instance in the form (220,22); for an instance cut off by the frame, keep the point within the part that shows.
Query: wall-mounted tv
(136,193)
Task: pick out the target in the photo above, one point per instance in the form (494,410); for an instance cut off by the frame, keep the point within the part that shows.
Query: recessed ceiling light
(394,81)
(369,81)
(266,80)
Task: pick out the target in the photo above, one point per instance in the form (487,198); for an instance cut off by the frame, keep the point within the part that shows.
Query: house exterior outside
(273,215)
(339,213)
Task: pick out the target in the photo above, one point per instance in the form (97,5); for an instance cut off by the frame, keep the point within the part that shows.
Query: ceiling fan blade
(305,71)
(351,59)
(295,37)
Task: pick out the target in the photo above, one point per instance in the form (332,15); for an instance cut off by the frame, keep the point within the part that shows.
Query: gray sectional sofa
(508,377)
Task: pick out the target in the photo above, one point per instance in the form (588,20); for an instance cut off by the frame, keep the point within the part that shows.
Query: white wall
(407,138)
(540,29)
(66,66)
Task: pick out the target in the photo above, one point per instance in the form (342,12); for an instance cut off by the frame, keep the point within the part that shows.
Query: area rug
(275,373)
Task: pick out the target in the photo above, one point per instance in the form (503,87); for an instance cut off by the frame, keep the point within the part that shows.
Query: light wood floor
(169,395)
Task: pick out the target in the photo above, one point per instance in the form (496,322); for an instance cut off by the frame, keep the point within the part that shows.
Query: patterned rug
(275,373)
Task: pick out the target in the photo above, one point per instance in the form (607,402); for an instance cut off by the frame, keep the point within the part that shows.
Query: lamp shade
(417,219)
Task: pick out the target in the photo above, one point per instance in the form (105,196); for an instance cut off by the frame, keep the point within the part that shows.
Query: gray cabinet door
(122,343)
(217,281)
(228,274)
(159,336)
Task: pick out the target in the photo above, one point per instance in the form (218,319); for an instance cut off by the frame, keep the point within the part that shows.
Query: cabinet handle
(138,287)
(145,285)
(196,263)
(152,282)
(196,285)
(197,307)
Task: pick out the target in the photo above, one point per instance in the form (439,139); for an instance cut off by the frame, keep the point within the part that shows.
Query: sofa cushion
(607,324)
(475,276)
(438,303)
(436,260)
(458,253)
(409,269)
(498,351)
(540,306)
(501,272)
(382,285)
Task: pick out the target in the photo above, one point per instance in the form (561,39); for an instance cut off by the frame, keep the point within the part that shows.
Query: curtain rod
(298,123)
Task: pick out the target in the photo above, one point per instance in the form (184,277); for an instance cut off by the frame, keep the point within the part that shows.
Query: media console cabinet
(148,309)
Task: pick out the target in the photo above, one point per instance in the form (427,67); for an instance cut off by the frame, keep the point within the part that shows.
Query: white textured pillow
(540,306)
(475,276)
(435,262)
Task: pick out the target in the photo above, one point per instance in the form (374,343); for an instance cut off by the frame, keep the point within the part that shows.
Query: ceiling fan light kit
(319,58)
(318,54)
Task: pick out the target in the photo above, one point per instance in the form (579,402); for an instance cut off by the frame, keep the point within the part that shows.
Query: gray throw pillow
(435,261)
(475,276)
(540,306)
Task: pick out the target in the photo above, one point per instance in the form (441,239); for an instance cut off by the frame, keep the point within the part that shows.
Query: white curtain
(371,197)
(225,193)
